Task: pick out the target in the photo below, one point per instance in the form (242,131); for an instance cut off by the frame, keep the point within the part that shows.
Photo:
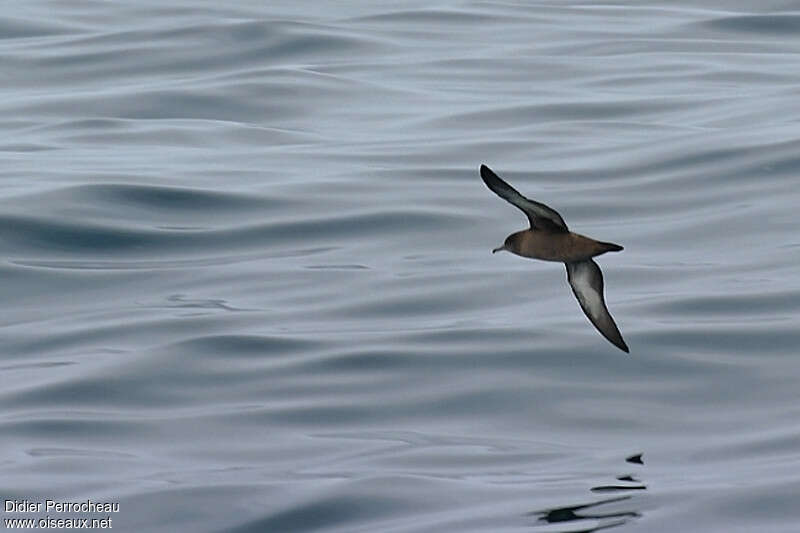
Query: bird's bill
(499,249)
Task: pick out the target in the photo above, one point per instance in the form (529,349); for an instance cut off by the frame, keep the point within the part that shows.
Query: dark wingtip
(617,340)
(487,173)
(493,181)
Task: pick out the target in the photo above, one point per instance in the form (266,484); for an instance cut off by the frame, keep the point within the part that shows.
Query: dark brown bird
(549,239)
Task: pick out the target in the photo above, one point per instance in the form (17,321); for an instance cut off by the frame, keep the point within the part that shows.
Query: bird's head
(511,244)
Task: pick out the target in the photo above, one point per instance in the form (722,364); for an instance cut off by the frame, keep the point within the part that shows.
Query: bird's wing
(586,281)
(540,216)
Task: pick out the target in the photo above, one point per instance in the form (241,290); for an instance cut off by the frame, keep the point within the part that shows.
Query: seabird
(549,239)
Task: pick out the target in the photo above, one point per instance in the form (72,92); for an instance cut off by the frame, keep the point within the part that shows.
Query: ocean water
(247,284)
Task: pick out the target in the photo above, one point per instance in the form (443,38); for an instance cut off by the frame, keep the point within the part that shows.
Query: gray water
(247,284)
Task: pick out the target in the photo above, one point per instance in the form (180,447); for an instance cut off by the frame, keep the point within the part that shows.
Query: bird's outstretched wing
(540,216)
(586,281)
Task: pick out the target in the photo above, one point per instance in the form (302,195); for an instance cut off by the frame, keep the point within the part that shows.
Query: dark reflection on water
(578,512)
(595,511)
(614,488)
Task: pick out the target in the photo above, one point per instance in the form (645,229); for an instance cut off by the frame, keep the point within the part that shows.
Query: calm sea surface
(247,285)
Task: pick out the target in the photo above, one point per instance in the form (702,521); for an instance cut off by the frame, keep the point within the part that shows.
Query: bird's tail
(610,247)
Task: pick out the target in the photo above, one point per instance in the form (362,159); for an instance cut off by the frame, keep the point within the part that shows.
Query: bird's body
(549,239)
(563,247)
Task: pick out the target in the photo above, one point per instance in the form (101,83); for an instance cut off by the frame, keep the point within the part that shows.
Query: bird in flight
(549,239)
